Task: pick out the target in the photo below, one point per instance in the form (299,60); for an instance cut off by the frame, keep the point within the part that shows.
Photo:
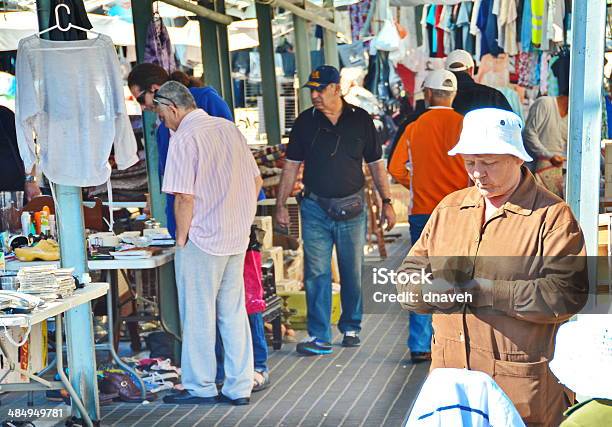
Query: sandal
(260,381)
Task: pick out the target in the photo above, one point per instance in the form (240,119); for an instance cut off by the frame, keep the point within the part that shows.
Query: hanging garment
(537,21)
(77,16)
(73,100)
(359,14)
(553,82)
(425,35)
(474,30)
(407,19)
(439,31)
(460,397)
(487,23)
(353,55)
(158,47)
(463,25)
(554,22)
(507,20)
(527,64)
(544,73)
(526,26)
(431,30)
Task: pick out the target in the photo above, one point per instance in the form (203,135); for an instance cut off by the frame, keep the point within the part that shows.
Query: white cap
(491,131)
(441,80)
(459,57)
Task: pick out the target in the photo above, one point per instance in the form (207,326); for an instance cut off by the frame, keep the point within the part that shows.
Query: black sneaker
(351,339)
(313,346)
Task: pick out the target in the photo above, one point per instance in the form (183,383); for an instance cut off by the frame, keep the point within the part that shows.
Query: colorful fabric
(527,63)
(158,47)
(359,15)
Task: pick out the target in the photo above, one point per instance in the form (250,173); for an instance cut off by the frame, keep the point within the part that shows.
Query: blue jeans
(260,347)
(320,233)
(419,326)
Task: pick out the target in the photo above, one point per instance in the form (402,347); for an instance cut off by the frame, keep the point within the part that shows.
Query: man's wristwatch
(30,179)
(386,201)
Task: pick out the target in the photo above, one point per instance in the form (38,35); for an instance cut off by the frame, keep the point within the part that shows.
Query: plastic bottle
(26,220)
(52,230)
(44,222)
(37,218)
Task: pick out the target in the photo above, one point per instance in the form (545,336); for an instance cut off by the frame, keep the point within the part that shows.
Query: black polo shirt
(333,155)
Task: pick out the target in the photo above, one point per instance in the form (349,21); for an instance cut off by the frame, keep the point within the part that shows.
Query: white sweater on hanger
(70,98)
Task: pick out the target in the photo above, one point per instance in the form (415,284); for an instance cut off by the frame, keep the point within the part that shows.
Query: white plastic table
(51,309)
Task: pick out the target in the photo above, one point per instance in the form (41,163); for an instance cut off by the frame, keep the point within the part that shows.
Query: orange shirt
(424,146)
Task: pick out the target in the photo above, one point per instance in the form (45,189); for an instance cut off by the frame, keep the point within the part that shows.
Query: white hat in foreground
(441,80)
(459,56)
(491,131)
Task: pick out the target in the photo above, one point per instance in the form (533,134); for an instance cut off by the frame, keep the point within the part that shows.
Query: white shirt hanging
(70,97)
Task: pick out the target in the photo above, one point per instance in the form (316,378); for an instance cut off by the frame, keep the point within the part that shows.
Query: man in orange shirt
(420,163)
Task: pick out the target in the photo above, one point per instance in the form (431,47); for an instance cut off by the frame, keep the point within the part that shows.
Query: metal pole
(210,55)
(305,14)
(225,66)
(330,44)
(302,59)
(79,328)
(268,73)
(584,142)
(142,12)
(201,11)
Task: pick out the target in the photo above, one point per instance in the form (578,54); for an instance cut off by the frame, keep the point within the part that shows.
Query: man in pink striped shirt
(215,180)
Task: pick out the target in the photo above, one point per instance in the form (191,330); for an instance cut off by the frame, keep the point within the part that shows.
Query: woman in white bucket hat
(516,255)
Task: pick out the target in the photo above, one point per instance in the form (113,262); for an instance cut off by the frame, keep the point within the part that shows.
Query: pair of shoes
(313,346)
(260,385)
(122,384)
(418,357)
(186,398)
(351,339)
(240,401)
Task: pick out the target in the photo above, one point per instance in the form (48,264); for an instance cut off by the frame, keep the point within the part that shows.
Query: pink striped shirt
(209,158)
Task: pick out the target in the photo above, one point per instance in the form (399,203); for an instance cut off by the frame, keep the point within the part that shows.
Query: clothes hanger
(64,29)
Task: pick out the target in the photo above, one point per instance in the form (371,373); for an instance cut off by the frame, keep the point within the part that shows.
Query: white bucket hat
(491,131)
(459,56)
(441,80)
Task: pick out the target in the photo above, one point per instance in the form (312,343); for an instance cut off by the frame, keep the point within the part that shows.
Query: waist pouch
(340,208)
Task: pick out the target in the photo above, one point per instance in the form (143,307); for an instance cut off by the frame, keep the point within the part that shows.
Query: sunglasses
(156,100)
(141,96)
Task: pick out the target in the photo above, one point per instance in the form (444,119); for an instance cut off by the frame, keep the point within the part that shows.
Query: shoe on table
(351,339)
(186,398)
(313,346)
(418,357)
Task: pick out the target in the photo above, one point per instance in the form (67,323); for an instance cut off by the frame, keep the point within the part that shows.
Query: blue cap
(322,76)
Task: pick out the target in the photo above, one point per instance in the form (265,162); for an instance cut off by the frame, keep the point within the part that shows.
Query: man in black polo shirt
(472,95)
(333,138)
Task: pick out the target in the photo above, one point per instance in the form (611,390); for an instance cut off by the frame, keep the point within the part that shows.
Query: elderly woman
(508,261)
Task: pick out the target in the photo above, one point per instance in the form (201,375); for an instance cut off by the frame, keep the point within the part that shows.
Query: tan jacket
(533,250)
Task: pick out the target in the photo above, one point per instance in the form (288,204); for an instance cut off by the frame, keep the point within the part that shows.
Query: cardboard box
(265,223)
(287,285)
(294,266)
(296,301)
(275,253)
